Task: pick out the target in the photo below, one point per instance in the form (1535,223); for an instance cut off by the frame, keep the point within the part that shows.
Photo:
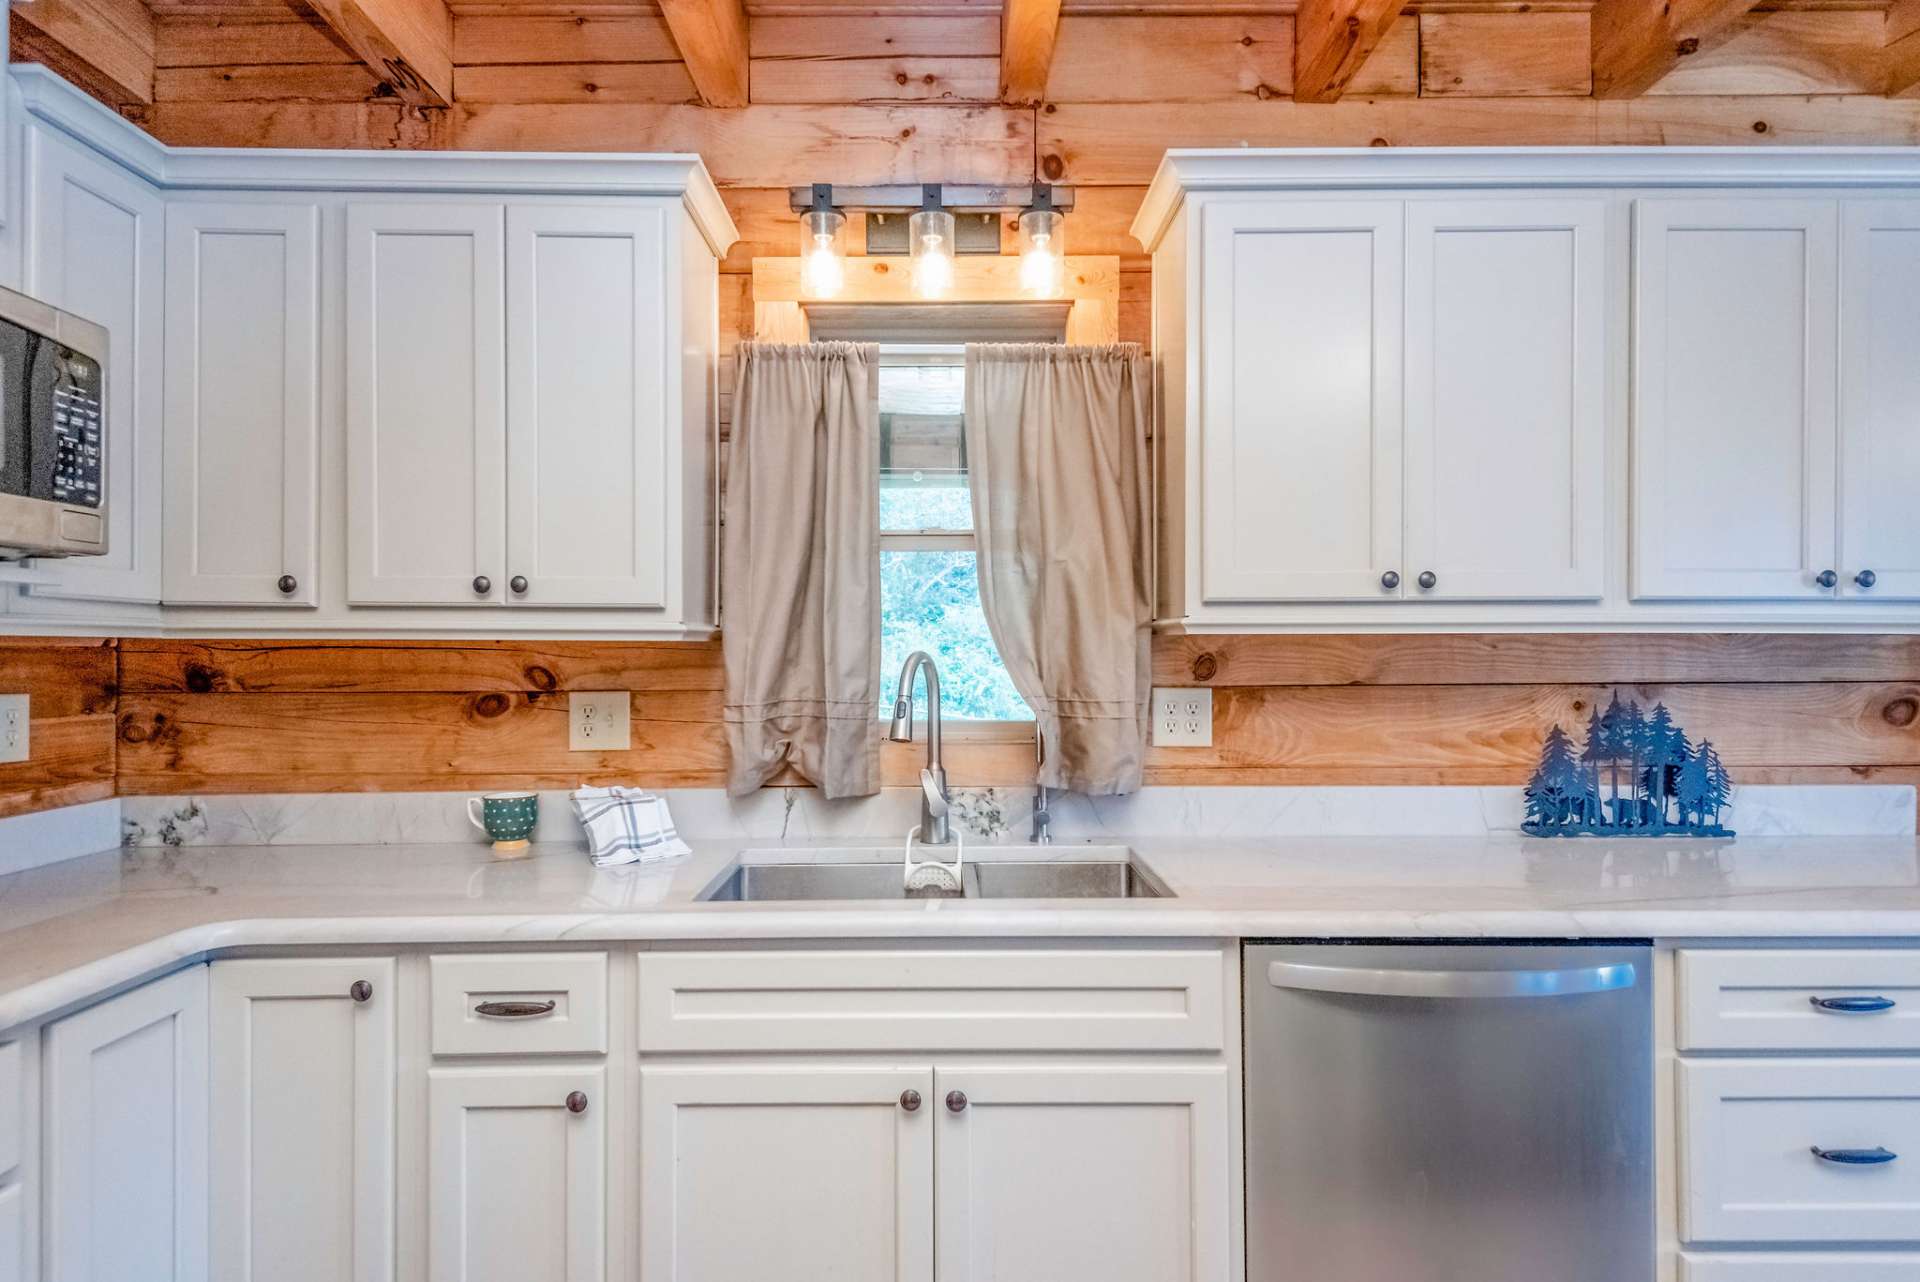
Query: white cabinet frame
(1865,406)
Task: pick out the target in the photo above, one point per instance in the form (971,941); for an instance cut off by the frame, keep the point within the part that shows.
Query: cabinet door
(516,1180)
(1119,1174)
(303,1140)
(1506,395)
(126,1137)
(587,376)
(95,237)
(1300,400)
(1880,400)
(426,405)
(242,403)
(832,1171)
(1734,392)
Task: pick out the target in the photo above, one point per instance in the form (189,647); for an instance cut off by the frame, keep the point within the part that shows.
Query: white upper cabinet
(242,476)
(1506,396)
(303,1140)
(1734,398)
(1300,399)
(1879,553)
(126,1136)
(94,247)
(588,375)
(426,404)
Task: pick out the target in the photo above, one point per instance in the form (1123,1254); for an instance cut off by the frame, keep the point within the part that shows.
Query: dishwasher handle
(1373,982)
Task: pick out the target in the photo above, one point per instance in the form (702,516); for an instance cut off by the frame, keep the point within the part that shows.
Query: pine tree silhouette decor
(1637,775)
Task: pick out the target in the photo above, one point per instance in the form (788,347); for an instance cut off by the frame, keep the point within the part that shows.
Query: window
(929,588)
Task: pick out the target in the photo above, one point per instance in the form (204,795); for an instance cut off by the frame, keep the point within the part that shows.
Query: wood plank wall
(71,683)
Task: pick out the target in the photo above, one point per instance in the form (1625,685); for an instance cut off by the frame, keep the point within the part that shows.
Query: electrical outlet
(599,720)
(1183,717)
(13,727)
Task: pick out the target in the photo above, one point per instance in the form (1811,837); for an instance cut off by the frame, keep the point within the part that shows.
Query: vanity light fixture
(822,270)
(1043,246)
(930,239)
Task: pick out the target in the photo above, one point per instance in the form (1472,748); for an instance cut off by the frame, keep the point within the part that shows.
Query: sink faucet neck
(934,828)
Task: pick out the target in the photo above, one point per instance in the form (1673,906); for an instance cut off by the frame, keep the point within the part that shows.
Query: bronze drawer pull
(514,1010)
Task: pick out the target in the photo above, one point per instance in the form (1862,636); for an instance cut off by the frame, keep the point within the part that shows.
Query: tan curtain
(1057,452)
(800,592)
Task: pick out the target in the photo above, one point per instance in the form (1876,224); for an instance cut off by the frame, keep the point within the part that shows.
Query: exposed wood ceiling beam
(1028,31)
(1903,48)
(408,44)
(1636,42)
(712,35)
(1332,40)
(105,46)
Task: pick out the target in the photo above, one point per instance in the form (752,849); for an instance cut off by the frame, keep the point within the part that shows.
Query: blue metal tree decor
(1637,775)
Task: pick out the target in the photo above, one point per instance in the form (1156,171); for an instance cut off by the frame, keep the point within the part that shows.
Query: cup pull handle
(514,1010)
(1853,1005)
(1854,1156)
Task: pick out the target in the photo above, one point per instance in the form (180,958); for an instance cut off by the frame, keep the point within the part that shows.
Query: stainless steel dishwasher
(1449,1113)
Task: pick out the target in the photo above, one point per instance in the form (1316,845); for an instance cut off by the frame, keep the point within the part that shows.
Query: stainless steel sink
(1094,877)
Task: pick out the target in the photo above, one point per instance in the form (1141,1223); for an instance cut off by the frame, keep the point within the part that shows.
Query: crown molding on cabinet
(1493,168)
(51,100)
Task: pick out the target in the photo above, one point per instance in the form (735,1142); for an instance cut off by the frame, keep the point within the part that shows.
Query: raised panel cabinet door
(241,474)
(95,245)
(126,1136)
(426,404)
(806,1173)
(1506,396)
(1084,1171)
(1734,398)
(1879,400)
(587,378)
(516,1175)
(303,1138)
(1300,400)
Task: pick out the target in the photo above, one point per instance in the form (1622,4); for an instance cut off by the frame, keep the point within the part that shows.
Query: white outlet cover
(599,720)
(1182,717)
(13,727)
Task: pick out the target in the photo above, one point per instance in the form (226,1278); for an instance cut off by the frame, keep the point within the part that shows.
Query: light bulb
(932,233)
(821,270)
(1042,269)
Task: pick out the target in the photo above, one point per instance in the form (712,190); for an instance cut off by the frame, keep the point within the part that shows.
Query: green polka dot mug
(506,817)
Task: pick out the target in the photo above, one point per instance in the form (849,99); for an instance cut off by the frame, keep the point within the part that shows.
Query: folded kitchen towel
(627,826)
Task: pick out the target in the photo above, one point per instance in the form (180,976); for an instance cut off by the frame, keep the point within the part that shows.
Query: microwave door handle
(1372,982)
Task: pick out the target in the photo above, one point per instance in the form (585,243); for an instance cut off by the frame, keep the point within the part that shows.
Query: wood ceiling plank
(938,35)
(267,82)
(1636,42)
(106,46)
(712,38)
(1333,40)
(606,37)
(653,82)
(1204,58)
(1029,29)
(408,44)
(201,41)
(1505,55)
(1802,52)
(374,125)
(875,80)
(1902,65)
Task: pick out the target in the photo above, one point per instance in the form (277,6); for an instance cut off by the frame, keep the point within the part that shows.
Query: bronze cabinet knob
(288,584)
(910,1101)
(1826,578)
(361,991)
(1390,580)
(518,583)
(1866,578)
(577,1102)
(1427,579)
(956,1101)
(482,585)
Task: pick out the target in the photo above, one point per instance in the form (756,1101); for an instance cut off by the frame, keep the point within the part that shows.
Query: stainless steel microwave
(53,431)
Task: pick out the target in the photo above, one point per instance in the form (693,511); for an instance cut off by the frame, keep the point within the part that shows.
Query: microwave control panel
(76,430)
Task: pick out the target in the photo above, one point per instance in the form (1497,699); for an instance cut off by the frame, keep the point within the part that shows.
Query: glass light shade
(821,271)
(931,235)
(1043,248)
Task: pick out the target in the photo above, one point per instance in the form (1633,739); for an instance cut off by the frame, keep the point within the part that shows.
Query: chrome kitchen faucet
(934,830)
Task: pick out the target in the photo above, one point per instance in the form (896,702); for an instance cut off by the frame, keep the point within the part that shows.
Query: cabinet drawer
(1749,1128)
(1839,1266)
(1171,1000)
(1768,999)
(519,1004)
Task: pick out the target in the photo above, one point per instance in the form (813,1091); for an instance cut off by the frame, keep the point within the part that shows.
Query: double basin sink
(1091,872)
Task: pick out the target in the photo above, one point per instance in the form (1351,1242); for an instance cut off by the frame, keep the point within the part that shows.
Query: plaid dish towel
(627,826)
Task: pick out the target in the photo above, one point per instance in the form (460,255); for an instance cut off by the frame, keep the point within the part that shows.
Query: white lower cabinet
(806,1173)
(517,1175)
(1119,1174)
(126,1136)
(303,1141)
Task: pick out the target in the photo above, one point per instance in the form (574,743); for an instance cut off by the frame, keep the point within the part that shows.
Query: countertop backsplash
(995,815)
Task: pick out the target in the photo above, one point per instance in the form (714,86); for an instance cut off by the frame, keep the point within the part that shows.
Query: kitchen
(1495,423)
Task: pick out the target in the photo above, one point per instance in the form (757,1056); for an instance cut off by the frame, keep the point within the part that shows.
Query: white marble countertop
(74,930)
